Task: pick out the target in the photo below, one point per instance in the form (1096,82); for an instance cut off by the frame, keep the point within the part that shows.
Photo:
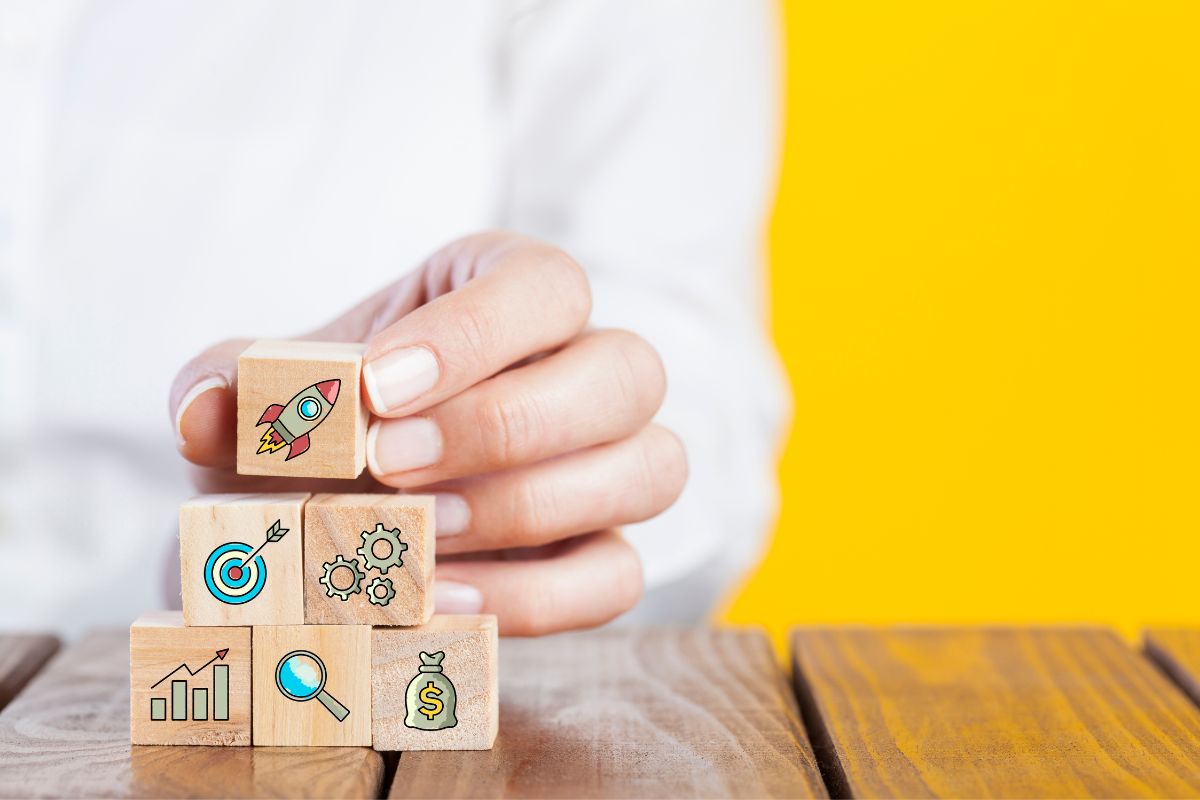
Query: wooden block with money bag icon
(435,686)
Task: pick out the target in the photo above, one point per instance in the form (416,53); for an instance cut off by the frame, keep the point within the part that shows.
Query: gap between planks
(632,713)
(982,712)
(22,655)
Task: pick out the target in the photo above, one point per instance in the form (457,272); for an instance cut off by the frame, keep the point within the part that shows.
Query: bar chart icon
(200,695)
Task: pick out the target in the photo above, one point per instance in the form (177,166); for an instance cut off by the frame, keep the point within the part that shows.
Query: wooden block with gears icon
(241,559)
(312,685)
(188,685)
(300,412)
(435,686)
(368,559)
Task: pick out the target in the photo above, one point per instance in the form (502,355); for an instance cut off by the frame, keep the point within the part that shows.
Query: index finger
(526,297)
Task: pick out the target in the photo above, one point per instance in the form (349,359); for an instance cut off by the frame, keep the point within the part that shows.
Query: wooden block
(434,687)
(996,712)
(312,685)
(353,546)
(188,685)
(236,568)
(67,735)
(679,712)
(300,410)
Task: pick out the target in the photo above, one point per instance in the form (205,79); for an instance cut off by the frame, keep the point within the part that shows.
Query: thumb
(204,405)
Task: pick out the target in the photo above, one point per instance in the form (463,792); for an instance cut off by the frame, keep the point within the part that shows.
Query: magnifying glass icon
(301,675)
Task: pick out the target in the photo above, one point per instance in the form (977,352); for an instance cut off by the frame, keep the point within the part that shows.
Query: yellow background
(985,268)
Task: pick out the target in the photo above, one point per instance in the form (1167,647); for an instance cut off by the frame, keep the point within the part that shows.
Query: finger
(578,583)
(602,387)
(203,404)
(524,297)
(601,487)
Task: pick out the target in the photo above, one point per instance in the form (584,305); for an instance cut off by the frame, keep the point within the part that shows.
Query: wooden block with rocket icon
(300,411)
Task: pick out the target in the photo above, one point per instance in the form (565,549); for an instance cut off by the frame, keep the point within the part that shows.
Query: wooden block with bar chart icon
(368,559)
(300,412)
(241,559)
(312,685)
(435,686)
(188,685)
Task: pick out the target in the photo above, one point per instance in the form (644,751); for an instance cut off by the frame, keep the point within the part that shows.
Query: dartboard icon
(233,574)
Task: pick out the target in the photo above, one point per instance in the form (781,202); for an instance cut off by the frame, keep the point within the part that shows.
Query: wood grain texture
(67,735)
(658,713)
(209,521)
(21,657)
(345,650)
(468,643)
(334,525)
(273,373)
(938,712)
(1177,652)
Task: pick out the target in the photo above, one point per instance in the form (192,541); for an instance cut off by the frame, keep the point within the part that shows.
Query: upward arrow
(220,654)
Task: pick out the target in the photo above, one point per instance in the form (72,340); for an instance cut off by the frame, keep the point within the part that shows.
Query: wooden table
(865,712)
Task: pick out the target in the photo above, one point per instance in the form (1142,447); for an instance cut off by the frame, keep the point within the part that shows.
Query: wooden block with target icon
(241,559)
(368,559)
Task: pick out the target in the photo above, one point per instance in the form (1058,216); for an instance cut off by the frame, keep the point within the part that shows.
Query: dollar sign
(432,706)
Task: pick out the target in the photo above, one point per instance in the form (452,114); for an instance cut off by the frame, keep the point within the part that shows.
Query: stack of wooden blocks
(308,619)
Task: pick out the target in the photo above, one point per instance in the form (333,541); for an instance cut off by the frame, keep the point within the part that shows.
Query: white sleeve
(643,141)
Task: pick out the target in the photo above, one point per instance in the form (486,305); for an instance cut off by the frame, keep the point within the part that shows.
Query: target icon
(231,577)
(235,573)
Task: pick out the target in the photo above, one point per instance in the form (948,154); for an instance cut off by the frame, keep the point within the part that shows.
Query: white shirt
(165,168)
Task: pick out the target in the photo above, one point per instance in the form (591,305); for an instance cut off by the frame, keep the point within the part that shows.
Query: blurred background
(984,271)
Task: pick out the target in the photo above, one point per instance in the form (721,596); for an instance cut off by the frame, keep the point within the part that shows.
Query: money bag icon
(430,698)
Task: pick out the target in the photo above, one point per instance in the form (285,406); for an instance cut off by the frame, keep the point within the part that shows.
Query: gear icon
(383,598)
(356,576)
(395,558)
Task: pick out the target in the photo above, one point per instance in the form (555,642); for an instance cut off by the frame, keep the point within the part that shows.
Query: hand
(487,390)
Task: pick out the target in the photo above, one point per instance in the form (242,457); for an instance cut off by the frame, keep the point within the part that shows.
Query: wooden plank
(67,734)
(21,656)
(697,713)
(937,712)
(1177,652)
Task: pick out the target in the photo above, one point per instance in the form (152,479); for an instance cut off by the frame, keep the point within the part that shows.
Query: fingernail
(400,377)
(215,382)
(451,514)
(450,597)
(399,445)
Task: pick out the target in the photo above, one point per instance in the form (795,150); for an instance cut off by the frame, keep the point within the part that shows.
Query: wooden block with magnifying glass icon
(312,685)
(241,559)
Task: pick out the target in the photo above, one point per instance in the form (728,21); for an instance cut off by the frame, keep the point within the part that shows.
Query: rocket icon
(291,424)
